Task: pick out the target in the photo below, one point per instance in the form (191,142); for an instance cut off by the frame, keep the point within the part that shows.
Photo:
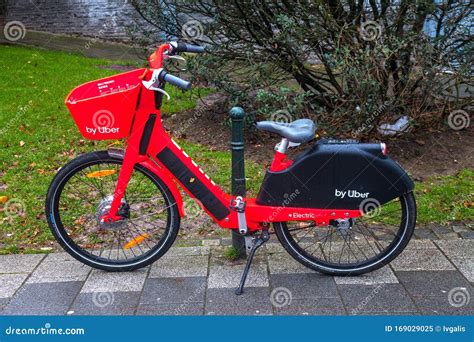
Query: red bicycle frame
(150,146)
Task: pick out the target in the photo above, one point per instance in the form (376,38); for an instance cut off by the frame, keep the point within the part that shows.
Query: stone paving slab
(457,248)
(383,275)
(440,305)
(20,263)
(272,248)
(188,251)
(229,276)
(199,281)
(381,299)
(171,309)
(420,244)
(439,293)
(10,283)
(309,306)
(105,303)
(431,283)
(173,290)
(460,252)
(43,299)
(178,267)
(101,281)
(283,263)
(3,303)
(421,257)
(310,285)
(254,301)
(59,267)
(465,266)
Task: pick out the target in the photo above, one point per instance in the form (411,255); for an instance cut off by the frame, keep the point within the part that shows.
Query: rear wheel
(352,246)
(81,193)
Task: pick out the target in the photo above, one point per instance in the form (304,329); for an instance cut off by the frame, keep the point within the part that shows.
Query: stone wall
(105,19)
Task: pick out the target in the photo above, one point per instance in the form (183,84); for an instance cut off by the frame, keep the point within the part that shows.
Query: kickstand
(256,243)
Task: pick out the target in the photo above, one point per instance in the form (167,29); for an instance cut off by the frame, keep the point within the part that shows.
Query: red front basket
(104,109)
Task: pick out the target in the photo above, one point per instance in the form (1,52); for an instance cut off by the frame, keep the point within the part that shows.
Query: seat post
(282,146)
(280,162)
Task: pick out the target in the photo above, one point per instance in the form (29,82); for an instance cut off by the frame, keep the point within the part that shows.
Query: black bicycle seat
(298,131)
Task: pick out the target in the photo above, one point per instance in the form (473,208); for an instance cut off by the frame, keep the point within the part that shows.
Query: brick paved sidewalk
(429,278)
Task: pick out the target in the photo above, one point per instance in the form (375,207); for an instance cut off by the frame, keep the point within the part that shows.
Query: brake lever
(168,97)
(150,85)
(177,57)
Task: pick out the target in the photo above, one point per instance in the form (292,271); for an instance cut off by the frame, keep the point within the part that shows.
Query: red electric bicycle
(340,207)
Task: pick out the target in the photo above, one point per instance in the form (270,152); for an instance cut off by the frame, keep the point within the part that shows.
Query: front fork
(131,157)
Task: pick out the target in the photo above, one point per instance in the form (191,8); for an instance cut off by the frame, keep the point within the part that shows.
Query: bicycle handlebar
(176,81)
(184,47)
(156,62)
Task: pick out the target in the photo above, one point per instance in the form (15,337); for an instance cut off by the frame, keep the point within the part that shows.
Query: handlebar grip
(176,81)
(184,47)
(194,48)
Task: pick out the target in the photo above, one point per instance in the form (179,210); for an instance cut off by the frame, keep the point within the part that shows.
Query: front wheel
(352,246)
(82,192)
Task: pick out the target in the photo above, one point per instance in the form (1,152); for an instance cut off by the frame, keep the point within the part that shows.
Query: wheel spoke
(132,238)
(350,243)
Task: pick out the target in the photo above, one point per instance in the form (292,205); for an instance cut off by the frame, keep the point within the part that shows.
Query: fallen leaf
(22,143)
(3,199)
(420,142)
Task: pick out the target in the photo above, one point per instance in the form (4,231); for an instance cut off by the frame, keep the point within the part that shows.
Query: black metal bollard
(237,115)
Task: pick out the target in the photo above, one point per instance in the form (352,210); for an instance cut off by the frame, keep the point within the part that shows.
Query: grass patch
(37,136)
(231,253)
(445,199)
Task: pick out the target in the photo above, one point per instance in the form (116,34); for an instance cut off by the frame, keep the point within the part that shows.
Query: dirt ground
(440,151)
